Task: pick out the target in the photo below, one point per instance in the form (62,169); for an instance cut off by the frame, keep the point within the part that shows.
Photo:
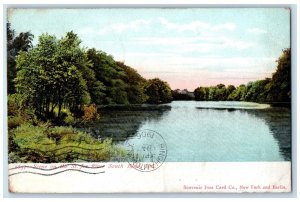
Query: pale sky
(185,47)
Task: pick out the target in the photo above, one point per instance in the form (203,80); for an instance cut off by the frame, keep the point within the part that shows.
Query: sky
(187,47)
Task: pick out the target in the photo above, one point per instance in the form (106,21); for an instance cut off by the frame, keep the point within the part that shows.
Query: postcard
(149,100)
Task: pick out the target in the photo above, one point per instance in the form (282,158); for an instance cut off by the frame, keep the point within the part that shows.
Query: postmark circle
(147,150)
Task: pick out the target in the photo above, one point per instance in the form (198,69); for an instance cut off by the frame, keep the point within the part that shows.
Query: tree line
(270,90)
(60,73)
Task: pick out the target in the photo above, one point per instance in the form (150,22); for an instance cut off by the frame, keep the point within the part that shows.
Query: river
(196,131)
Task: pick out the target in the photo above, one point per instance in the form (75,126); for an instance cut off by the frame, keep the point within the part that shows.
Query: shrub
(90,113)
(14,121)
(15,104)
(44,144)
(17,113)
(69,119)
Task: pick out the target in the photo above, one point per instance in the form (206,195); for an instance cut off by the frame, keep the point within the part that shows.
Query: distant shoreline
(165,106)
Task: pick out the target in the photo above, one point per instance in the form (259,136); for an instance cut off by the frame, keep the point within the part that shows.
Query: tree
(256,90)
(276,89)
(110,75)
(279,89)
(238,94)
(23,42)
(158,91)
(212,93)
(11,64)
(15,44)
(229,90)
(96,88)
(49,75)
(220,93)
(135,84)
(201,94)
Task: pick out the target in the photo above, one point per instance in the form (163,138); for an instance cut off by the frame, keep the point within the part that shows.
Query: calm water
(208,131)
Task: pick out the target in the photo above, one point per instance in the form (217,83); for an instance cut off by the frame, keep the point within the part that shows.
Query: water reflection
(119,125)
(279,121)
(194,133)
(197,134)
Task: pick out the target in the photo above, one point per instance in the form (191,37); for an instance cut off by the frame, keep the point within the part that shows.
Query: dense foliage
(58,74)
(42,144)
(158,91)
(58,82)
(15,44)
(49,75)
(271,90)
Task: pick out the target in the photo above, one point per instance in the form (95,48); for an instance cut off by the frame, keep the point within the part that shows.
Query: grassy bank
(33,140)
(44,144)
(54,138)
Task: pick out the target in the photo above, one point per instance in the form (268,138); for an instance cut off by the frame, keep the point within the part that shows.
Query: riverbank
(134,107)
(186,129)
(57,144)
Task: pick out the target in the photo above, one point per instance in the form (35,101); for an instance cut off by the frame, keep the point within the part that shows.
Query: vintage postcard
(134,100)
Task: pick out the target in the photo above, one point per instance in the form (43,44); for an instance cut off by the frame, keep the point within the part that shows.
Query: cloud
(86,31)
(256,31)
(164,41)
(192,26)
(121,27)
(237,44)
(197,26)
(189,64)
(195,44)
(226,26)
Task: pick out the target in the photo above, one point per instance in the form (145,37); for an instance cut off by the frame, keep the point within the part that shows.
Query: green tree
(256,90)
(201,94)
(158,91)
(229,90)
(23,42)
(279,89)
(220,93)
(238,94)
(11,64)
(212,93)
(49,75)
(15,44)
(110,75)
(135,84)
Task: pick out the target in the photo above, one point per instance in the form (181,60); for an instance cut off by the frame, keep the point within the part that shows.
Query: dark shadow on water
(219,108)
(121,124)
(279,121)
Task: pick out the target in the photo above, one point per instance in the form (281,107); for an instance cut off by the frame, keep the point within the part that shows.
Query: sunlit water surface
(197,131)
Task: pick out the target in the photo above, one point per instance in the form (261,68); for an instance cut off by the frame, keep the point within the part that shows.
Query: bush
(14,121)
(22,118)
(15,104)
(58,144)
(69,119)
(17,113)
(90,113)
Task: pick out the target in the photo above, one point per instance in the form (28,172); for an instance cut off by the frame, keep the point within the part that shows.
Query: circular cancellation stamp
(147,150)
